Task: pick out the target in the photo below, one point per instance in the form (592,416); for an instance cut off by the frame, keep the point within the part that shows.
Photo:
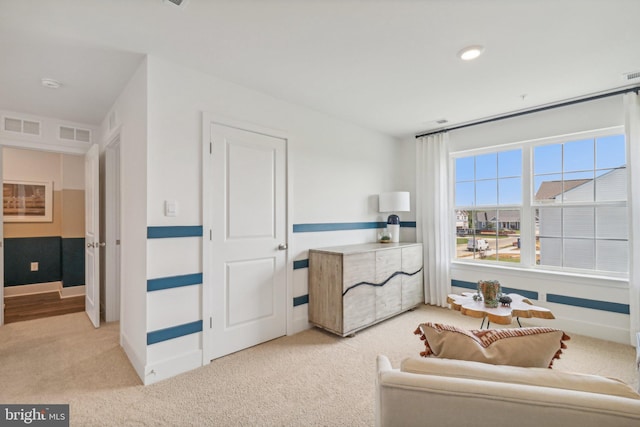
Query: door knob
(102,244)
(282,247)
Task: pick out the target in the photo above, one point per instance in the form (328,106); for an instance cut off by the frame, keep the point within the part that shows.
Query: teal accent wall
(19,253)
(72,262)
(59,260)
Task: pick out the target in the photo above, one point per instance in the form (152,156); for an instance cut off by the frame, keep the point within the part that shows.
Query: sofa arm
(383,363)
(638,358)
(638,350)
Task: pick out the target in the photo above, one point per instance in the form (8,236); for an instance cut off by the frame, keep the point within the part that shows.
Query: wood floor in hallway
(36,306)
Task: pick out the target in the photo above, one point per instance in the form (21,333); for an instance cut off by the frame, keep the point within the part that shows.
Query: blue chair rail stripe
(301,263)
(474,286)
(173,282)
(337,226)
(174,231)
(463,284)
(613,307)
(342,226)
(174,332)
(304,299)
(524,293)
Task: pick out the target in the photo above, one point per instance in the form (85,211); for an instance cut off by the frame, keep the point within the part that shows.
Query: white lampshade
(395,201)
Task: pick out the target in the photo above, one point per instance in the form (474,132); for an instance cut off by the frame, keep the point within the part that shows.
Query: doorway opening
(43,229)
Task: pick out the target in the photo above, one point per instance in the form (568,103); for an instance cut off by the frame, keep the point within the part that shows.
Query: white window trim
(527,234)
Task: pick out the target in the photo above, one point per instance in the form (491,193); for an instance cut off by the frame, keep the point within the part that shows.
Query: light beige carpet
(309,379)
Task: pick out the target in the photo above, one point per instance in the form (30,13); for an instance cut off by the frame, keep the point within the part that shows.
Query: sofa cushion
(528,347)
(541,377)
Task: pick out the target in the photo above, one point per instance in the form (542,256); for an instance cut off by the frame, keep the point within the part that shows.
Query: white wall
(604,113)
(337,170)
(131,110)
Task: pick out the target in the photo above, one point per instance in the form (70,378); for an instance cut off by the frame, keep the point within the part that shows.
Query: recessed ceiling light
(51,83)
(470,52)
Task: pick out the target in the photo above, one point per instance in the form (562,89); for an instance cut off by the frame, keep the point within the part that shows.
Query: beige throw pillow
(527,347)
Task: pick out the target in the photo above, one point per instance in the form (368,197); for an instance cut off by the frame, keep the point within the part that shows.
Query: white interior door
(248,239)
(1,248)
(112,233)
(92,235)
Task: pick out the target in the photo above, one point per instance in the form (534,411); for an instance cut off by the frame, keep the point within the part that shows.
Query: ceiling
(388,65)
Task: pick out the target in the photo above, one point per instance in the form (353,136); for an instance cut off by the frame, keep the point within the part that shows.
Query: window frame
(529,205)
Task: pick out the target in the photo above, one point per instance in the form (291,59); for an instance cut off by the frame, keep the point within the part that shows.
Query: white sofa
(445,392)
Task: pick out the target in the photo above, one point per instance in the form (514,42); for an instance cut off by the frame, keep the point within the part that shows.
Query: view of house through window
(578,205)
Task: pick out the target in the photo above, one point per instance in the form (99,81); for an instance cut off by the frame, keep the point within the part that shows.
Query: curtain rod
(535,110)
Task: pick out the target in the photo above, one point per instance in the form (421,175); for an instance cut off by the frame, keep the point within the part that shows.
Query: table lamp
(395,201)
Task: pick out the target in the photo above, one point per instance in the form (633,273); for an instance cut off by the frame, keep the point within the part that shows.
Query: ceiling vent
(635,75)
(26,127)
(74,134)
(179,3)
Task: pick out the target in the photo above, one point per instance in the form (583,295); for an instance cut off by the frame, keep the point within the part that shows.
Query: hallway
(36,306)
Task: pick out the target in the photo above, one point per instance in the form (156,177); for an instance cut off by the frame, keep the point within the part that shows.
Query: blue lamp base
(393,226)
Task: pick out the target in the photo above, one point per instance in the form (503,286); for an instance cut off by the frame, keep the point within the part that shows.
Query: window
(580,194)
(576,205)
(488,204)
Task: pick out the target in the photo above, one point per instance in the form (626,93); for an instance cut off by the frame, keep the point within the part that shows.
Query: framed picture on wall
(27,201)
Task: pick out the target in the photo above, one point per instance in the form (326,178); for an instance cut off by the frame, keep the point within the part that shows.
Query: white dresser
(352,287)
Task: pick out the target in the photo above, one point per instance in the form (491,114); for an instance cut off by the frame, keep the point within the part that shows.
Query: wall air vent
(635,75)
(74,134)
(26,127)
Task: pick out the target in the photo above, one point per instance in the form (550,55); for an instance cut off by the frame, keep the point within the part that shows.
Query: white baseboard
(136,362)
(36,288)
(171,367)
(300,325)
(72,291)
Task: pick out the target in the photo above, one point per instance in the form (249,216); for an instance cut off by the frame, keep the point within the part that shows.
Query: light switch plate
(170,208)
(34,266)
